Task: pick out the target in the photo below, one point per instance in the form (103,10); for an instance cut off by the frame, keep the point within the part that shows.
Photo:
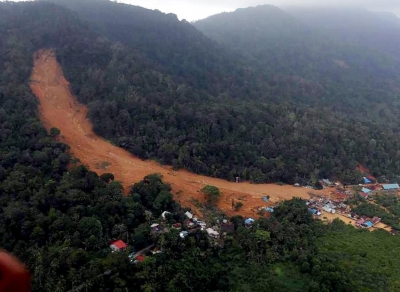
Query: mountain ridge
(62,220)
(247,125)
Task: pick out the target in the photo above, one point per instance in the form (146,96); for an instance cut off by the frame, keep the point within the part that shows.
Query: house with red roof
(360,222)
(177,226)
(118,245)
(375,220)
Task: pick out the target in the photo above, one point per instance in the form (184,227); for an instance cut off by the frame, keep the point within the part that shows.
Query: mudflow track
(59,108)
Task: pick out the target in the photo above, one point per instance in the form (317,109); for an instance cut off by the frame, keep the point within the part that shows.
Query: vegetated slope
(347,77)
(58,108)
(178,49)
(55,221)
(375,30)
(354,77)
(60,221)
(136,104)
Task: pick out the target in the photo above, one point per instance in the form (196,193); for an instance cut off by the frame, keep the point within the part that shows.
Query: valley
(60,109)
(116,120)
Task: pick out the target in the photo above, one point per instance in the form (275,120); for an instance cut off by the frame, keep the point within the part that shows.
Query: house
(189,224)
(375,220)
(249,221)
(360,222)
(327,209)
(183,234)
(368,224)
(177,226)
(297,185)
(163,215)
(156,251)
(212,233)
(189,215)
(118,245)
(201,223)
(366,190)
(140,258)
(269,209)
(313,211)
(155,227)
(366,180)
(389,187)
(265,199)
(327,182)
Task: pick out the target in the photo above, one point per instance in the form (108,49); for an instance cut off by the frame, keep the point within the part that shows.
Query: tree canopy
(59,218)
(167,92)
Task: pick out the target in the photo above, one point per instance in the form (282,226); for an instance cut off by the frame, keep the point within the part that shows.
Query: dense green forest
(168,93)
(353,74)
(59,219)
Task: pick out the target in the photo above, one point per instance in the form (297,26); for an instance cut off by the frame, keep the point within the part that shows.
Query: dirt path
(60,109)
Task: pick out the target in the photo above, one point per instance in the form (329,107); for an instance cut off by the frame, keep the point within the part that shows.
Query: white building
(212,233)
(189,215)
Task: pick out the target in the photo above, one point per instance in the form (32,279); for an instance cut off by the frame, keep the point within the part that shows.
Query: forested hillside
(206,109)
(375,30)
(338,54)
(263,133)
(174,46)
(59,221)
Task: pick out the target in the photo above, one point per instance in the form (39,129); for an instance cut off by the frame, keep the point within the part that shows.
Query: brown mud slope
(60,109)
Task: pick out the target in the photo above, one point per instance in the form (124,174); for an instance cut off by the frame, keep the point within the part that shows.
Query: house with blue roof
(368,224)
(312,211)
(390,187)
(366,190)
(269,209)
(249,221)
(366,180)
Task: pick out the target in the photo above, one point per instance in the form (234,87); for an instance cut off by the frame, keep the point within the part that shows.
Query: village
(331,202)
(322,207)
(334,205)
(191,225)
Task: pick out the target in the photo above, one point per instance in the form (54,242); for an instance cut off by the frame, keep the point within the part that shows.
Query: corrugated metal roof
(119,244)
(390,186)
(189,215)
(365,190)
(249,221)
(369,224)
(366,180)
(313,211)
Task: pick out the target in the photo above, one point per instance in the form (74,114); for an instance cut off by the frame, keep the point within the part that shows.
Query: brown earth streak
(60,109)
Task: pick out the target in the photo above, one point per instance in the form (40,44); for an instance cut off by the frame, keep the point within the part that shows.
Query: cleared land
(60,109)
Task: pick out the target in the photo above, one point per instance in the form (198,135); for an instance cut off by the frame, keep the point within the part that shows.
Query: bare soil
(330,217)
(60,109)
